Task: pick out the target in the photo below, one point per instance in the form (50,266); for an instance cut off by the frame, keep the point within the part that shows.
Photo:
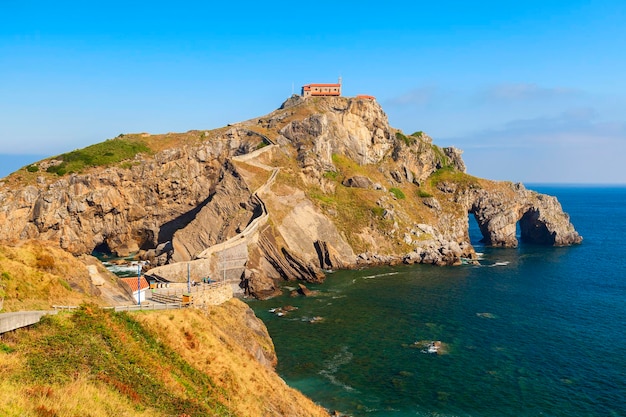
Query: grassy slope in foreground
(174,363)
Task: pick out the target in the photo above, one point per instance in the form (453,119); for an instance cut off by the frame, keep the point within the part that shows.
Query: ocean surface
(11,163)
(532,331)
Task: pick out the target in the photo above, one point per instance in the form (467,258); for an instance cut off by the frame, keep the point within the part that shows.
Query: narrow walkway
(16,320)
(12,321)
(254,225)
(170,300)
(19,319)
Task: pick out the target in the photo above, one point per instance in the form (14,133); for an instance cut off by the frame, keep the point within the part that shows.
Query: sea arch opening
(525,227)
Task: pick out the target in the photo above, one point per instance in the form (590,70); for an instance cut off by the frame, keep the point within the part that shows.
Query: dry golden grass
(40,377)
(254,176)
(37,274)
(97,363)
(159,142)
(81,397)
(213,343)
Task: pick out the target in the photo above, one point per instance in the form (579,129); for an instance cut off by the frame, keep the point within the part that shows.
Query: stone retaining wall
(214,296)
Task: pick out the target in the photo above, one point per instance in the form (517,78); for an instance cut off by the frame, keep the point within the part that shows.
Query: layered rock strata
(319,184)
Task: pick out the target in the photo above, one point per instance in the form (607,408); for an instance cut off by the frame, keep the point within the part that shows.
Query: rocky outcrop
(541,218)
(358,181)
(319,184)
(286,263)
(417,158)
(329,257)
(355,129)
(126,210)
(227,212)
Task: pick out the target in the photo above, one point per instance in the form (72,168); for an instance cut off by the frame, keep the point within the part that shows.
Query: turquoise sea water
(533,331)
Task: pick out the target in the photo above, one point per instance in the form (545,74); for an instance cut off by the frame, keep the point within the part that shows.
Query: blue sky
(532,91)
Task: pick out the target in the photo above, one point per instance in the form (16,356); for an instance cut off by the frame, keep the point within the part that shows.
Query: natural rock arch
(540,217)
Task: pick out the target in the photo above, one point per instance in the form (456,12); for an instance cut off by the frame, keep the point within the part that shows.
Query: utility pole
(138,284)
(188,280)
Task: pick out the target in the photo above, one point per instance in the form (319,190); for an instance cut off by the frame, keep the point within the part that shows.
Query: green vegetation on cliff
(104,153)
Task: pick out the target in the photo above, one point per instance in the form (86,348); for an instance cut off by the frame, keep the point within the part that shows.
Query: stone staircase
(165,298)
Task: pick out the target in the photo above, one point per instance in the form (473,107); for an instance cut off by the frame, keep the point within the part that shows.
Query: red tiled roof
(322,85)
(132,283)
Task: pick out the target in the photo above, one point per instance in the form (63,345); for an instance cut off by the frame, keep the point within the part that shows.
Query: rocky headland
(318,184)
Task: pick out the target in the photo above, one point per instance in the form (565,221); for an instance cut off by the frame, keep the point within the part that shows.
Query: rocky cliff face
(128,209)
(321,183)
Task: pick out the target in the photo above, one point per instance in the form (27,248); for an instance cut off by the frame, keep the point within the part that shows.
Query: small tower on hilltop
(321,90)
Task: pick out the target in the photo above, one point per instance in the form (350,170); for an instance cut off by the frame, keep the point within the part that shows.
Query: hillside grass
(119,151)
(182,363)
(449,174)
(105,352)
(357,211)
(97,363)
(34,275)
(105,153)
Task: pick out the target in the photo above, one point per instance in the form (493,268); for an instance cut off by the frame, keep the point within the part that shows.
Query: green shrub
(6,348)
(65,285)
(331,175)
(417,134)
(57,169)
(423,194)
(397,193)
(440,156)
(32,168)
(105,153)
(449,173)
(378,211)
(408,141)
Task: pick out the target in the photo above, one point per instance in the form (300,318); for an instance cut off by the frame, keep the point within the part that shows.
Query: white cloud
(579,126)
(513,92)
(574,146)
(522,131)
(420,96)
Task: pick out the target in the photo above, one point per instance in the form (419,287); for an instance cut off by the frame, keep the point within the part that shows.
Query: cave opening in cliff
(102,251)
(533,231)
(480,239)
(475,235)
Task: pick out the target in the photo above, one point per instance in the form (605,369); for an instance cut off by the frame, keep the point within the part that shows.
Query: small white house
(139,294)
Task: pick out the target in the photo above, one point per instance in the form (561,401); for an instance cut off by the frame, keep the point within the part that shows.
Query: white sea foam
(380,275)
(343,357)
(123,269)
